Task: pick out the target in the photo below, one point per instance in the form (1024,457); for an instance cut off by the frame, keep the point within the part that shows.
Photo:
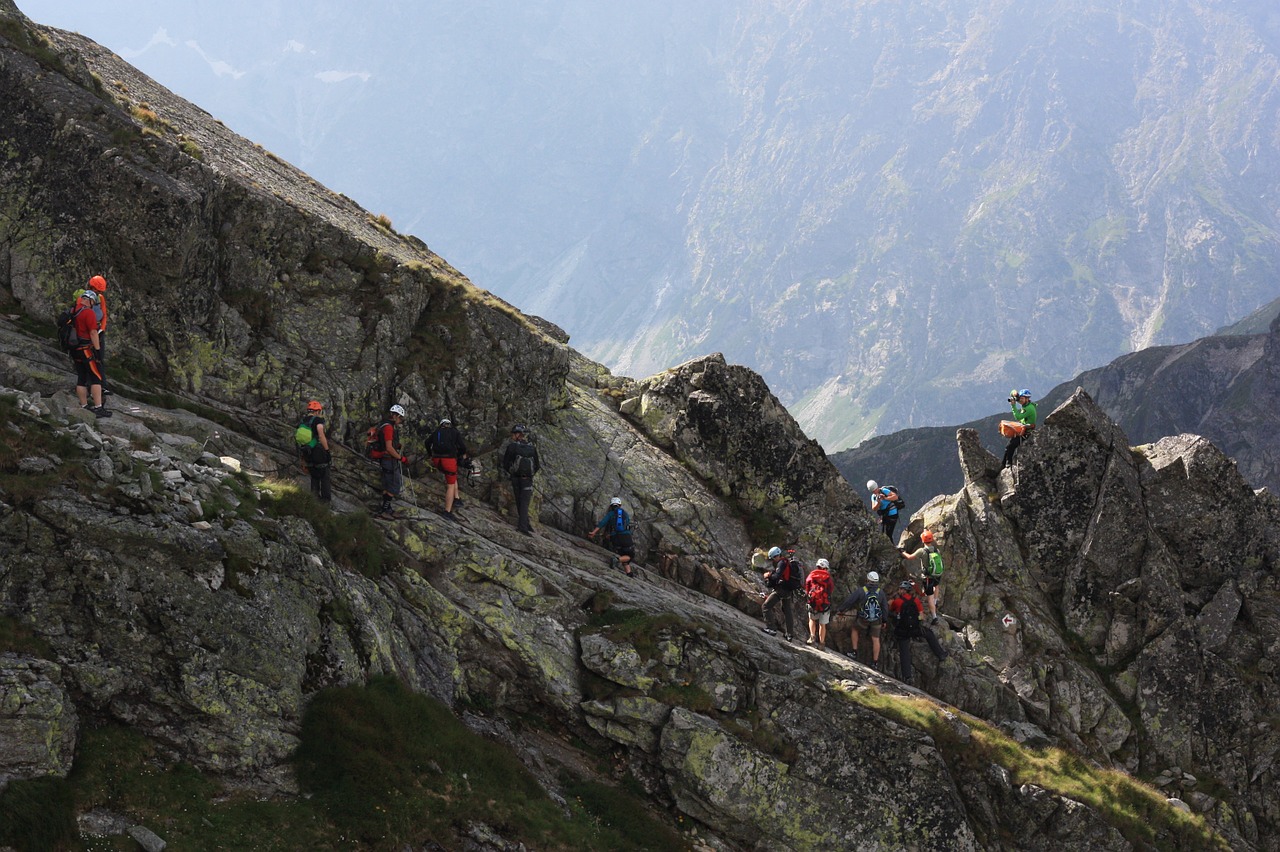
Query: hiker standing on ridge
(386,450)
(931,570)
(868,604)
(818,588)
(98,284)
(313,449)
(616,525)
(782,578)
(885,502)
(84,354)
(520,461)
(1024,412)
(446,448)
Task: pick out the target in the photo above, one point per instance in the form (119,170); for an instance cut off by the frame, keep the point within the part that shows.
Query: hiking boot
(853,655)
(100,411)
(386,515)
(933,620)
(458,504)
(527,532)
(615,562)
(787,637)
(449,516)
(108,392)
(810,641)
(770,631)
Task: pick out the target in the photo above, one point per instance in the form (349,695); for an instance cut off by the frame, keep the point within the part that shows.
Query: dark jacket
(860,594)
(446,443)
(516,449)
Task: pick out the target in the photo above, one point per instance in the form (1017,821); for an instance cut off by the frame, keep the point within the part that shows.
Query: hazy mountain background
(894,211)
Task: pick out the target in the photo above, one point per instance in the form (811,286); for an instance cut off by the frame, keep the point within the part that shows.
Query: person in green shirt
(1024,411)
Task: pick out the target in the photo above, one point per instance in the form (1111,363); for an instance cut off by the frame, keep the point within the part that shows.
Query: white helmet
(775,552)
(873,577)
(872,485)
(398,409)
(822,563)
(616,501)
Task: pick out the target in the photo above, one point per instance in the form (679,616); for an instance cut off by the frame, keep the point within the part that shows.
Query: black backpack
(897,502)
(871,611)
(522,464)
(908,619)
(67,337)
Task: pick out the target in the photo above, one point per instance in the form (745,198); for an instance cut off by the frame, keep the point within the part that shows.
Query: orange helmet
(926,537)
(98,283)
(315,405)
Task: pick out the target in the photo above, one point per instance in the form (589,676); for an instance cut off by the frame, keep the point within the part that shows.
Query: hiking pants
(785,597)
(392,477)
(934,645)
(320,485)
(522,488)
(904,657)
(887,523)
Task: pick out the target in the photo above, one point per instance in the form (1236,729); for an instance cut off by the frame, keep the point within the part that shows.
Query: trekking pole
(413,499)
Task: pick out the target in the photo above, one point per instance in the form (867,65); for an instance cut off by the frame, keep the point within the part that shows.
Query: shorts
(87,372)
(931,584)
(392,478)
(823,617)
(861,623)
(449,467)
(623,545)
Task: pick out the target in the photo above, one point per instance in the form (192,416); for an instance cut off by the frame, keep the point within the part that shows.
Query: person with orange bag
(1024,412)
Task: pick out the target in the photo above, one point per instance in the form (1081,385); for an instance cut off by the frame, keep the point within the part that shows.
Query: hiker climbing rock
(385,449)
(906,610)
(616,526)
(868,605)
(818,588)
(783,578)
(520,461)
(313,449)
(930,570)
(78,331)
(1018,429)
(447,449)
(886,502)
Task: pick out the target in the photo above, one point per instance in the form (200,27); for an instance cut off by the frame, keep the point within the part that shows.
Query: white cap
(616,501)
(822,563)
(873,577)
(398,409)
(872,485)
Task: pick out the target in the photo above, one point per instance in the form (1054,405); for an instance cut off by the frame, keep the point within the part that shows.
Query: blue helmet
(1024,392)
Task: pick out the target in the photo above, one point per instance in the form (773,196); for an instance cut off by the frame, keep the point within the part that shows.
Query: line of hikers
(787,582)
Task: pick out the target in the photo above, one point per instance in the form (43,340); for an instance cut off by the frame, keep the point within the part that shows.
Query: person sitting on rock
(616,526)
(818,589)
(868,604)
(1024,411)
(446,447)
(782,579)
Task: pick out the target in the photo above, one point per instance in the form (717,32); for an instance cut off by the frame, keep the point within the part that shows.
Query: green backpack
(305,436)
(935,562)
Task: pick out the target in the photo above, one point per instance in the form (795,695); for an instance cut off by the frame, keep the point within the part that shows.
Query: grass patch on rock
(354,540)
(37,814)
(394,769)
(1137,811)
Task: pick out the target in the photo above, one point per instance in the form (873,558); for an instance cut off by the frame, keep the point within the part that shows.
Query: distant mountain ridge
(1225,387)
(894,212)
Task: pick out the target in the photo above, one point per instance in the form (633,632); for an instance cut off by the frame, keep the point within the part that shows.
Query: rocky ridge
(205,619)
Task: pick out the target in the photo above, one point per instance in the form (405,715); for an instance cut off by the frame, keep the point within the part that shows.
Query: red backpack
(817,587)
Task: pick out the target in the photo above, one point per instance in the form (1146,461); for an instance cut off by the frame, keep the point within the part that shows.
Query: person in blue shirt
(884,502)
(616,526)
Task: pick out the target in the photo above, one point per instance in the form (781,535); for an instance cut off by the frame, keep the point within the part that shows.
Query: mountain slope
(145,588)
(1225,388)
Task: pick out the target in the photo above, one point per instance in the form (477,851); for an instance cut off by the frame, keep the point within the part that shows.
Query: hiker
(931,570)
(1024,412)
(885,502)
(446,448)
(868,605)
(818,588)
(313,449)
(905,610)
(616,525)
(386,450)
(84,354)
(520,461)
(783,579)
(98,284)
